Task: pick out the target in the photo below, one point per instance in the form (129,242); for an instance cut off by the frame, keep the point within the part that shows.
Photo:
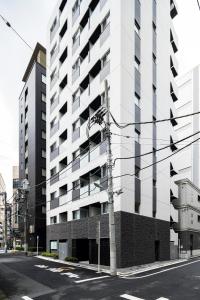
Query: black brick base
(136,237)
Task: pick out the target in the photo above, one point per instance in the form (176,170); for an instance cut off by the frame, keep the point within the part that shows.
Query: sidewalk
(121,271)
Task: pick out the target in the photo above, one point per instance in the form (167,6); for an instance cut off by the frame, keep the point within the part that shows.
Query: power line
(9,25)
(123,175)
(150,122)
(156,150)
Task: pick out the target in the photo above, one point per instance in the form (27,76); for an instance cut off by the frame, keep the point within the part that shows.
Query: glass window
(53,220)
(43,97)
(43,153)
(43,116)
(43,135)
(43,191)
(137,136)
(76,214)
(44,172)
(104,208)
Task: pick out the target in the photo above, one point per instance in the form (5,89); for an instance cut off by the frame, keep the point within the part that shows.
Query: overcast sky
(30,18)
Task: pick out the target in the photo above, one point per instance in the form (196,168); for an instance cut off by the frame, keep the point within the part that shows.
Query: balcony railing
(54,104)
(75,194)
(105,71)
(54,129)
(105,34)
(75,104)
(54,154)
(53,57)
(75,45)
(75,15)
(54,80)
(54,179)
(76,164)
(75,74)
(54,203)
(76,134)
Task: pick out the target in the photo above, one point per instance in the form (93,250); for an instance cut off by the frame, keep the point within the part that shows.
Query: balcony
(75,194)
(84,64)
(52,34)
(75,134)
(173,9)
(53,57)
(102,3)
(54,129)
(64,199)
(76,165)
(54,203)
(54,80)
(84,159)
(54,154)
(94,19)
(75,15)
(54,179)
(105,71)
(84,191)
(63,148)
(104,35)
(75,45)
(54,104)
(75,74)
(75,104)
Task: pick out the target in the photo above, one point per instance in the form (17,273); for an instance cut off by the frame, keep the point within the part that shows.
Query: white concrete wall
(121,81)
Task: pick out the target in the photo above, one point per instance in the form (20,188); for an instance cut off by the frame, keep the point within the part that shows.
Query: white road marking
(162,271)
(27,298)
(91,279)
(162,298)
(129,297)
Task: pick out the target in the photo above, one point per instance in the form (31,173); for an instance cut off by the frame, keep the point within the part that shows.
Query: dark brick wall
(135,236)
(185,240)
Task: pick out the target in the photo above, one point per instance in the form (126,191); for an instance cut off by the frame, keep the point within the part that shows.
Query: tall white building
(132,44)
(188,161)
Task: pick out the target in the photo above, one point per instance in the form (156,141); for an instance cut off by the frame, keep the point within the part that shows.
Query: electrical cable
(150,122)
(123,175)
(156,150)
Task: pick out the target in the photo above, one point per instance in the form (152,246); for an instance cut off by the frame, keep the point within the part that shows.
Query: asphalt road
(32,278)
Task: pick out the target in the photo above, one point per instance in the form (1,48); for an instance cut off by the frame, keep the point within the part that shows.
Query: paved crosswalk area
(129,297)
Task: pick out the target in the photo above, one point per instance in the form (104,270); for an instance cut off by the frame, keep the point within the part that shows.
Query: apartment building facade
(188,227)
(2,211)
(16,237)
(188,161)
(131,44)
(32,147)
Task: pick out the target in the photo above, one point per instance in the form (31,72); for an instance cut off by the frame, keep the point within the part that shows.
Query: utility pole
(113,267)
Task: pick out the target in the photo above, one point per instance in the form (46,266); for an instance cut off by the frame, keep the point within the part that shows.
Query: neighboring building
(188,205)
(2,211)
(15,208)
(32,145)
(132,44)
(188,161)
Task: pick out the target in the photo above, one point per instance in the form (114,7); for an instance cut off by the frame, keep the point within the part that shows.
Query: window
(76,214)
(43,78)
(76,36)
(64,55)
(198,218)
(76,185)
(137,64)
(137,28)
(64,29)
(26,94)
(105,59)
(53,122)
(198,198)
(137,100)
(43,153)
(43,172)
(53,75)
(104,208)
(75,154)
(63,190)
(21,118)
(43,191)
(105,22)
(137,171)
(137,136)
(52,100)
(53,25)
(75,7)
(53,50)
(53,220)
(43,135)
(63,110)
(53,172)
(76,65)
(62,5)
(63,137)
(76,95)
(63,83)
(76,125)
(53,196)
(43,116)
(53,147)
(43,97)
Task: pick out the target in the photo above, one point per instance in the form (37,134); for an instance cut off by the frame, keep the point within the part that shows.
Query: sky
(30,19)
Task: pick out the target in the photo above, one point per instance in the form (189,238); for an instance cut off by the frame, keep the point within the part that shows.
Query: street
(33,278)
